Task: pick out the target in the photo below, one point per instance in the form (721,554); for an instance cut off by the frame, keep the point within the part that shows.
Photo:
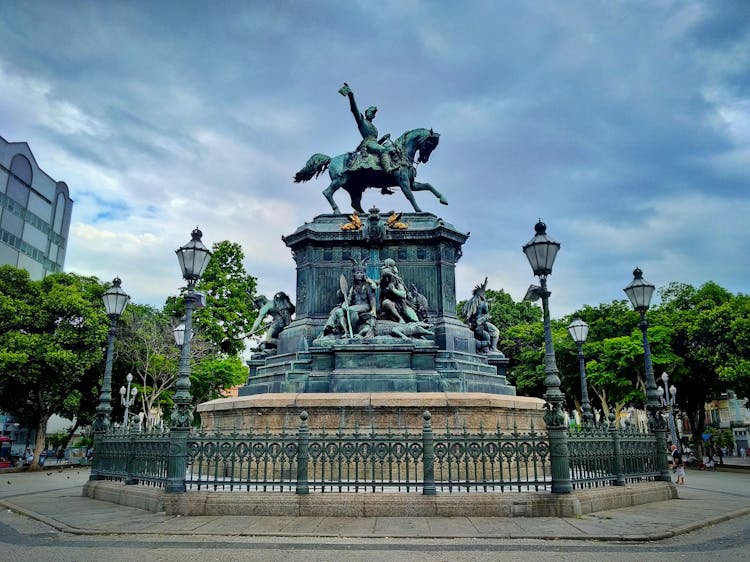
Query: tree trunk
(71,433)
(699,425)
(39,442)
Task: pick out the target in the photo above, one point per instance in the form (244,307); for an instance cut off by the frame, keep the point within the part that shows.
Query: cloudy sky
(625,126)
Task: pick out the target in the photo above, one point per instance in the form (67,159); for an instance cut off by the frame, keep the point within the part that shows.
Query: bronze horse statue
(355,179)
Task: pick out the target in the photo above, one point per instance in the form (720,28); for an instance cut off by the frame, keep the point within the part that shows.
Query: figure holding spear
(356,314)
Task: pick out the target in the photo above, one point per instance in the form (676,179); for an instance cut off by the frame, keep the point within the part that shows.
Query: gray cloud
(623,125)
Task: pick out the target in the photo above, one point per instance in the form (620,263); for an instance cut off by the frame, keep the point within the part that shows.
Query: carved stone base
(426,252)
(381,409)
(399,366)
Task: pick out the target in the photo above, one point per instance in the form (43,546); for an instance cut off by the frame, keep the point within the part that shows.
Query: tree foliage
(701,337)
(146,349)
(710,334)
(52,335)
(229,289)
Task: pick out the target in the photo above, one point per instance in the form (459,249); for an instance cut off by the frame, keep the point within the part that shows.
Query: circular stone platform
(381,409)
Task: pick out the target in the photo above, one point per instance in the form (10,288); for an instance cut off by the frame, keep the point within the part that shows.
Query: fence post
(428,456)
(660,434)
(96,445)
(614,433)
(559,454)
(177,459)
(129,477)
(303,440)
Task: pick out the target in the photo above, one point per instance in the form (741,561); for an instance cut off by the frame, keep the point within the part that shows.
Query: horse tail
(316,165)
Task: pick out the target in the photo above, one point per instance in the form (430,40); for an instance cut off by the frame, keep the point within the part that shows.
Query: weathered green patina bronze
(355,315)
(280,309)
(477,314)
(370,142)
(379,163)
(414,342)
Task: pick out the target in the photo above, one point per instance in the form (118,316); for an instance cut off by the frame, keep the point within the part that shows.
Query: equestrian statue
(379,163)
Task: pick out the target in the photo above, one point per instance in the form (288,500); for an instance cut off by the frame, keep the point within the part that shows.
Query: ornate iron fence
(248,461)
(132,456)
(354,460)
(494,461)
(603,455)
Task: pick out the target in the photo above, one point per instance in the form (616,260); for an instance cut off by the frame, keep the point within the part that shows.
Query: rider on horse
(369,132)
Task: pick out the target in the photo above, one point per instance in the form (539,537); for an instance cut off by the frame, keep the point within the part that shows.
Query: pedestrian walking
(679,465)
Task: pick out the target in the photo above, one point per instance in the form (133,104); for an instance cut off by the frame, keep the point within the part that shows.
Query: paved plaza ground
(54,498)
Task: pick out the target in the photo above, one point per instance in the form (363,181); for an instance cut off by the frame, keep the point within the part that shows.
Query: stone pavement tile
(173,523)
(93,514)
(253,523)
(401,526)
(224,524)
(613,527)
(545,527)
(72,509)
(347,526)
(656,515)
(495,526)
(451,527)
(303,525)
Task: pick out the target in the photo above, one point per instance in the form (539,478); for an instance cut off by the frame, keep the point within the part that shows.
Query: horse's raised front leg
(405,185)
(420,186)
(328,194)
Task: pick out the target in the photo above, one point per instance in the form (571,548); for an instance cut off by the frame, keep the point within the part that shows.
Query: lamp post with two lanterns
(667,396)
(541,251)
(127,398)
(193,258)
(639,292)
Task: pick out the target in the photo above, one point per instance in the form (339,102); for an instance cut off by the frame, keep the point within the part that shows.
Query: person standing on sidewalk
(679,465)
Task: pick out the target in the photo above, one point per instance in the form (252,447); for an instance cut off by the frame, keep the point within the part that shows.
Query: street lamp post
(127,398)
(640,292)
(541,251)
(667,396)
(579,331)
(193,258)
(115,300)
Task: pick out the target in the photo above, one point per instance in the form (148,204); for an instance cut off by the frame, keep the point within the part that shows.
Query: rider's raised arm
(358,117)
(346,91)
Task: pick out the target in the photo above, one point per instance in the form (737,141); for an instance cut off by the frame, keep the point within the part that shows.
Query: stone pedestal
(374,409)
(398,366)
(426,253)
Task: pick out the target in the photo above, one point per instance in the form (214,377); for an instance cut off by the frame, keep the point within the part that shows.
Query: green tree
(146,349)
(710,335)
(52,334)
(734,369)
(506,312)
(616,370)
(229,312)
(523,345)
(214,375)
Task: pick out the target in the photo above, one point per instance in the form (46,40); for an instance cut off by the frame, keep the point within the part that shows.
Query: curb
(651,537)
